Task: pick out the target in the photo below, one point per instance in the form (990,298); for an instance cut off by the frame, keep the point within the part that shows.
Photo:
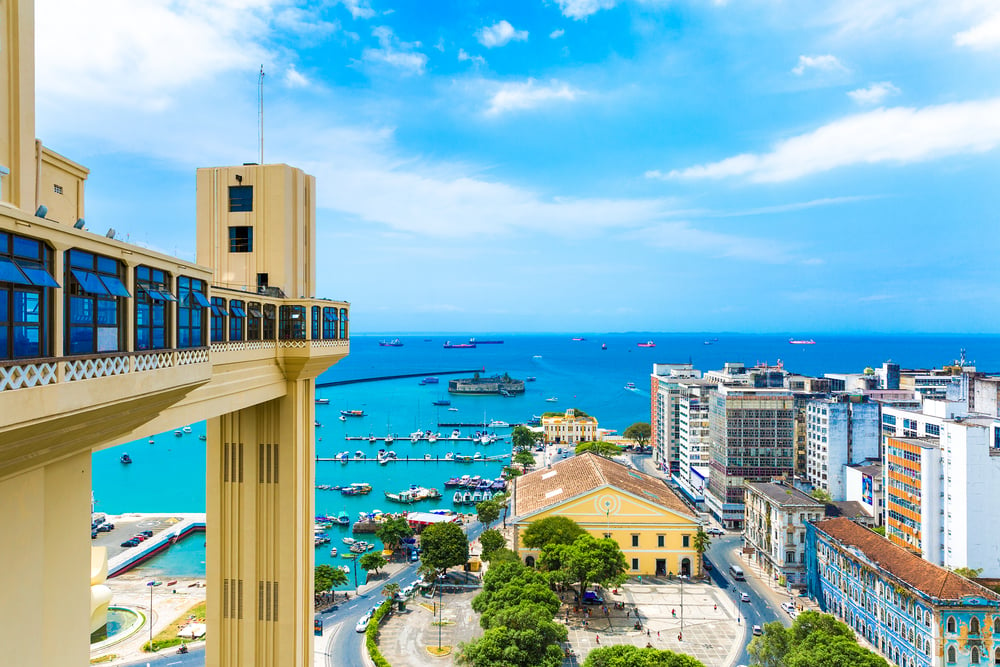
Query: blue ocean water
(168,475)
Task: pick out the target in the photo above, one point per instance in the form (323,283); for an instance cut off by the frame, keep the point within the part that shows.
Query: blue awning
(200,299)
(115,286)
(90,282)
(217,310)
(330,315)
(37,275)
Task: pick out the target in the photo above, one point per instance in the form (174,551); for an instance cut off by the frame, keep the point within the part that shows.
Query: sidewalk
(777,593)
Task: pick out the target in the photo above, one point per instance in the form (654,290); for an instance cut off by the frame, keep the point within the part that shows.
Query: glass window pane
(115,286)
(81,310)
(3,343)
(107,311)
(28,248)
(4,300)
(81,340)
(83,260)
(26,306)
(38,276)
(89,282)
(107,339)
(107,265)
(9,272)
(27,342)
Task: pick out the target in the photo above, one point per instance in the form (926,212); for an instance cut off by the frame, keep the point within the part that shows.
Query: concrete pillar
(259,542)
(44,565)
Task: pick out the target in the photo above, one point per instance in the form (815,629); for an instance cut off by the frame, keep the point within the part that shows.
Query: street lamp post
(150,584)
(681,577)
(440,616)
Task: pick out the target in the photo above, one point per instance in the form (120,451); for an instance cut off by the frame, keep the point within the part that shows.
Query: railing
(40,372)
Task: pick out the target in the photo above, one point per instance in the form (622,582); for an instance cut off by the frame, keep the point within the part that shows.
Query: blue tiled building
(913,612)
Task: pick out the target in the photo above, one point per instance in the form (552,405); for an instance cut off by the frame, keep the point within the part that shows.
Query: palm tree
(701,544)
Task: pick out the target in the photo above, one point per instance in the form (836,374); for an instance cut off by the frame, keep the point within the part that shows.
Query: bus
(737,572)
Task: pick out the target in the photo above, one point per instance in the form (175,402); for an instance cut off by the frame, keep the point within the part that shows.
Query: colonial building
(775,527)
(570,428)
(651,524)
(914,613)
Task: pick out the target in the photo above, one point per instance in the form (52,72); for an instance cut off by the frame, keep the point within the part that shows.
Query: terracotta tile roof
(580,474)
(930,579)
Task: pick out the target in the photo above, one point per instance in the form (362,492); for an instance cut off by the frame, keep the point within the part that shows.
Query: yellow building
(651,524)
(103,342)
(568,428)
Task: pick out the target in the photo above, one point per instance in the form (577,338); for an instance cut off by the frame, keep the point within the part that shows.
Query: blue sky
(567,165)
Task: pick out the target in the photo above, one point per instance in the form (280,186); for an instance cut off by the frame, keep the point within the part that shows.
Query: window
(996,655)
(152,308)
(974,626)
(57,188)
(254,317)
(607,536)
(240,198)
(343,324)
(950,625)
(635,563)
(95,303)
(635,540)
(292,323)
(237,320)
(25,297)
(268,326)
(330,323)
(241,239)
(218,308)
(316,314)
(686,541)
(974,657)
(659,541)
(191,304)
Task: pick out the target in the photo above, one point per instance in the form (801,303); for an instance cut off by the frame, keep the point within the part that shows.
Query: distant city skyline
(566,165)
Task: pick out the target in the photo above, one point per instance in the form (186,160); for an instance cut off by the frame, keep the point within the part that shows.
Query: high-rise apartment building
(750,440)
(840,431)
(913,495)
(664,392)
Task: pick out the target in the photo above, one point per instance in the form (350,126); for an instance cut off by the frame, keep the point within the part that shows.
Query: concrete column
(260,514)
(44,565)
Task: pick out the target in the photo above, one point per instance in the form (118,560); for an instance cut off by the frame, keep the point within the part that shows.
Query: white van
(737,572)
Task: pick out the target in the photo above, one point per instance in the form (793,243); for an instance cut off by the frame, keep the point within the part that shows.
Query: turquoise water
(185,558)
(168,475)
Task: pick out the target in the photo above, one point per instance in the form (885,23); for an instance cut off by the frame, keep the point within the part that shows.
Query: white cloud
(500,34)
(360,9)
(986,35)
(874,94)
(581,9)
(899,134)
(681,236)
(394,52)
(529,95)
(463,56)
(824,63)
(294,79)
(557,33)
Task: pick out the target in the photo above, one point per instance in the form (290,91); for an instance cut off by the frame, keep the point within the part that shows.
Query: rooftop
(586,472)
(921,575)
(868,468)
(848,509)
(783,494)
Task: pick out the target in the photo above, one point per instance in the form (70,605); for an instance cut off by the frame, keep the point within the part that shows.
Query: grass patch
(442,622)
(104,658)
(168,636)
(439,652)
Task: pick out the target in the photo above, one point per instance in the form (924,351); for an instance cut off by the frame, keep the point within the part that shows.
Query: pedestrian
(657,634)
(647,633)
(627,613)
(715,607)
(598,638)
(680,637)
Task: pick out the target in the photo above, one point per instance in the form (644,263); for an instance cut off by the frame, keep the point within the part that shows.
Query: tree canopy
(502,555)
(491,540)
(587,560)
(701,543)
(551,530)
(599,447)
(626,655)
(487,512)
(524,457)
(393,532)
(639,433)
(814,640)
(328,576)
(968,572)
(506,647)
(522,437)
(443,545)
(372,561)
(820,495)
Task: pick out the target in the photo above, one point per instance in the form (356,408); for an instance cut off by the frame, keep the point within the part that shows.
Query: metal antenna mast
(260,115)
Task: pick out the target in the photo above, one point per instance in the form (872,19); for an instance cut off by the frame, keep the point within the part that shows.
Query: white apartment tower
(839,431)
(664,421)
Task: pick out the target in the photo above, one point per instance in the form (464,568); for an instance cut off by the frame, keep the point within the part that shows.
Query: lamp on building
(80,222)
(41,211)
(111,233)
(239,179)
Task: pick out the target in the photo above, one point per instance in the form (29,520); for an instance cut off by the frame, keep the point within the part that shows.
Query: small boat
(530,378)
(448,345)
(578,339)
(125,459)
(389,439)
(467,497)
(648,343)
(342,418)
(151,441)
(457,498)
(178,433)
(442,402)
(395,342)
(496,423)
(316,424)
(604,346)
(333,552)
(452,409)
(359,455)
(630,386)
(537,356)
(450,456)
(463,458)
(478,456)
(551,399)
(352,413)
(200,437)
(341,456)
(322,401)
(429,380)
(801,342)
(372,439)
(415,436)
(428,457)
(186,429)
(477,497)
(433,437)
(487,495)
(348,540)
(455,434)
(345,569)
(343,519)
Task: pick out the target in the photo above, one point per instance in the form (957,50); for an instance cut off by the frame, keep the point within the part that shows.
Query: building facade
(750,440)
(653,527)
(775,527)
(913,495)
(863,483)
(840,430)
(664,421)
(693,437)
(570,428)
(914,613)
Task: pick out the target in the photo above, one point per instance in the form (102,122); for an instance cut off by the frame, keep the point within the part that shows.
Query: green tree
(443,545)
(878,529)
(968,572)
(511,574)
(516,593)
(824,650)
(491,541)
(328,576)
(626,655)
(373,561)
(770,648)
(814,640)
(393,532)
(701,543)
(487,512)
(586,561)
(507,647)
(524,457)
(599,447)
(502,555)
(820,495)
(551,530)
(522,437)
(390,590)
(639,433)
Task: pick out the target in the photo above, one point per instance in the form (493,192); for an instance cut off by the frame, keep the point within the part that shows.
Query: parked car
(744,597)
(139,538)
(707,564)
(363,623)
(590,597)
(131,542)
(715,531)
(105,527)
(788,607)
(147,533)
(757,631)
(93,533)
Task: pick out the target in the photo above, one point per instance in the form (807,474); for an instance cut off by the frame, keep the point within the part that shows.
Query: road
(170,657)
(761,609)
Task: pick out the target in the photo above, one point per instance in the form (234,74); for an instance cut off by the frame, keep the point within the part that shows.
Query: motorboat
(478,456)
(429,380)
(457,498)
(348,540)
(496,423)
(125,459)
(389,439)
(395,342)
(433,437)
(604,346)
(359,455)
(178,433)
(455,434)
(467,497)
(342,418)
(450,456)
(322,401)
(530,378)
(801,342)
(487,495)
(333,552)
(648,343)
(343,519)
(442,402)
(372,439)
(551,399)
(452,409)
(630,386)
(477,496)
(352,413)
(415,436)
(186,429)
